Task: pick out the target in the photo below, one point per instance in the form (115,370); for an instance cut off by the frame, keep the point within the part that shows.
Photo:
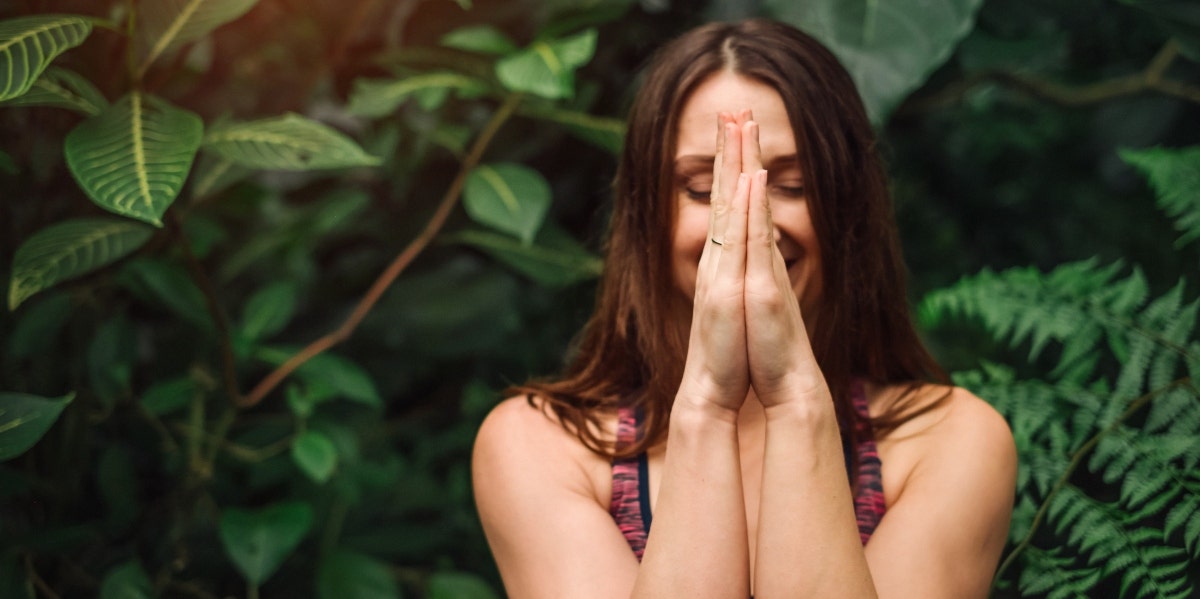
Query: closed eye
(789,191)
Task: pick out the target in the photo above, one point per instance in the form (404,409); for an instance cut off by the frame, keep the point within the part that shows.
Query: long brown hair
(631,352)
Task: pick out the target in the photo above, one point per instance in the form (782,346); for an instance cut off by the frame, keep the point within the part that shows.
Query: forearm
(697,545)
(808,543)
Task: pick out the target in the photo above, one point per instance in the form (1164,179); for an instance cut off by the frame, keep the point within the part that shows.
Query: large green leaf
(127,581)
(166,24)
(24,419)
(316,456)
(553,260)
(1175,177)
(345,574)
(547,68)
(133,158)
(29,44)
(508,197)
(889,47)
(288,142)
(257,541)
(269,310)
(70,249)
(484,39)
(61,88)
(329,375)
(379,97)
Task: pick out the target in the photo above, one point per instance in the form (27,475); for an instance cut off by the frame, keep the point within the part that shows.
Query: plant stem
(220,320)
(1076,460)
(385,279)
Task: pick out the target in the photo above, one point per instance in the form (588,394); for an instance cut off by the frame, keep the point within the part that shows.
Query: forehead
(726,91)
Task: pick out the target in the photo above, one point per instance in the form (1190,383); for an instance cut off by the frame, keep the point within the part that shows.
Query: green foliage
(547,68)
(259,540)
(24,419)
(509,197)
(128,581)
(167,24)
(70,249)
(888,47)
(348,575)
(29,44)
(133,157)
(289,142)
(61,88)
(1175,176)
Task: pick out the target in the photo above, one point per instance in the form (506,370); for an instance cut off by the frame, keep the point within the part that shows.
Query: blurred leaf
(215,174)
(7,165)
(889,48)
(127,581)
(478,399)
(344,574)
(133,158)
(981,51)
(118,486)
(39,326)
(170,395)
(169,286)
(547,69)
(1181,18)
(330,372)
(61,88)
(1175,177)
(269,310)
(458,585)
(24,419)
(258,541)
(70,249)
(110,357)
(316,456)
(29,44)
(14,582)
(605,132)
(288,142)
(509,197)
(484,39)
(380,97)
(168,24)
(554,260)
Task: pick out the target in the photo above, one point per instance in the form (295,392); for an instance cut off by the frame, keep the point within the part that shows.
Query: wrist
(689,410)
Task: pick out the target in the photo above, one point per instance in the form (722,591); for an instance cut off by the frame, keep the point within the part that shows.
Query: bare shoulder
(522,436)
(947,414)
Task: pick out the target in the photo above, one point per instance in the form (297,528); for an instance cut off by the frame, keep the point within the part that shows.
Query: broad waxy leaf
(484,39)
(547,68)
(127,581)
(345,574)
(269,310)
(133,158)
(508,197)
(257,541)
(29,44)
(70,249)
(889,47)
(316,456)
(167,24)
(553,261)
(288,142)
(379,97)
(61,88)
(1175,177)
(24,419)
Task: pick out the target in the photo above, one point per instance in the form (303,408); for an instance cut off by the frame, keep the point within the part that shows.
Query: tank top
(630,506)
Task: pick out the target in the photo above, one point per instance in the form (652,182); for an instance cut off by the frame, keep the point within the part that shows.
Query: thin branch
(224,339)
(1150,79)
(1076,460)
(37,579)
(385,279)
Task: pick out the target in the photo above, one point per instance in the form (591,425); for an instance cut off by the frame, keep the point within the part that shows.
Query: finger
(751,151)
(760,233)
(731,268)
(723,118)
(726,172)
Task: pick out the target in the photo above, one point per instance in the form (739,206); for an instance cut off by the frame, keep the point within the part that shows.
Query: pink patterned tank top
(630,506)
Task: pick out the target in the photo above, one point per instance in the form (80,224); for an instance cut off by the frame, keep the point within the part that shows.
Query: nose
(776,232)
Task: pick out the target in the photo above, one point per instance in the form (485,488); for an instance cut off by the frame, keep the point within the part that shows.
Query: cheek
(687,243)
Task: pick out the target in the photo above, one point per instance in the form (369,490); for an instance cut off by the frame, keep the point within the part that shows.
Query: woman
(752,304)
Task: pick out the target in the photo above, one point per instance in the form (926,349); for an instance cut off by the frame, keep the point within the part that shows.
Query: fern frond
(1185,516)
(1056,574)
(1175,177)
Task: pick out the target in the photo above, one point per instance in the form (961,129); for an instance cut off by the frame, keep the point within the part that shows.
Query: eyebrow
(691,161)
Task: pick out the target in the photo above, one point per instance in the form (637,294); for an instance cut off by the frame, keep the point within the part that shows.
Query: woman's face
(696,147)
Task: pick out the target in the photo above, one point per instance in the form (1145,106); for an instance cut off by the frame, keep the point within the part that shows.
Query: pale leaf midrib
(548,57)
(139,151)
(507,197)
(172,31)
